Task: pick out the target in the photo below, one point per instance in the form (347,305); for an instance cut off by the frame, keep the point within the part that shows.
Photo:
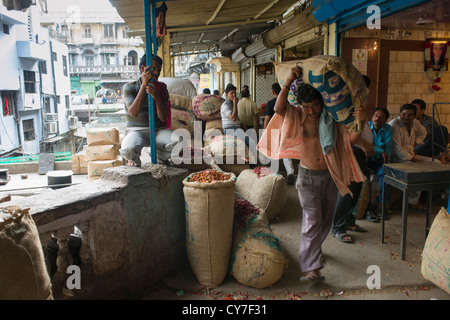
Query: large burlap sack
(257,258)
(180,102)
(268,192)
(179,86)
(102,136)
(209,209)
(183,119)
(436,253)
(207,107)
(341,85)
(226,149)
(23,273)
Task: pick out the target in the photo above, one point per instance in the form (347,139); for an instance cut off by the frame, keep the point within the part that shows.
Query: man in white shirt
(407,132)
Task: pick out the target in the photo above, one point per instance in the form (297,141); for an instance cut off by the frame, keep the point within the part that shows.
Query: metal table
(410,177)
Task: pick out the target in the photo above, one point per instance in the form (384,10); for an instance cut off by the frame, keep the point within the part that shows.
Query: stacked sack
(182,113)
(102,150)
(257,258)
(206,108)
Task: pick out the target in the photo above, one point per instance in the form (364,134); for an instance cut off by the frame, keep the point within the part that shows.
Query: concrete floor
(345,266)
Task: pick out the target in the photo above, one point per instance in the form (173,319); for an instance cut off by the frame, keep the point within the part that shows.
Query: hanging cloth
(161,28)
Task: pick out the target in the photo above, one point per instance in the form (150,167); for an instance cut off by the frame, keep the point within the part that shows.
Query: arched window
(88,58)
(132,58)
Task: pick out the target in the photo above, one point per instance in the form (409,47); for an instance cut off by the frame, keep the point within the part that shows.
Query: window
(87,32)
(8,102)
(28,130)
(125,33)
(58,99)
(89,61)
(67,102)
(43,67)
(30,81)
(6,28)
(54,56)
(110,59)
(72,59)
(47,105)
(64,60)
(108,31)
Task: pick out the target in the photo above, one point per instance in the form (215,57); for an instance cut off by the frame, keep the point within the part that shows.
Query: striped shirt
(130,92)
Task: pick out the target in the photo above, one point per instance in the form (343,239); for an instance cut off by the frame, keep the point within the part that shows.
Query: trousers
(317,193)
(137,138)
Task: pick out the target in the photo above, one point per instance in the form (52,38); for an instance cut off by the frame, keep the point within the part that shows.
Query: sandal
(343,237)
(370,216)
(356,228)
(313,275)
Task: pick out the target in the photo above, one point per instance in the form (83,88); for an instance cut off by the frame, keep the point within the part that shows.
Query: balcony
(126,72)
(130,235)
(31,50)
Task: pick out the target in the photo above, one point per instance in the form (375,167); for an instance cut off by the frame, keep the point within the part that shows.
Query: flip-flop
(312,277)
(357,229)
(370,216)
(341,236)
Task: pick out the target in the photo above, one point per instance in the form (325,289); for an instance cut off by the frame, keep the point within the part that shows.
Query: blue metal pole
(149,13)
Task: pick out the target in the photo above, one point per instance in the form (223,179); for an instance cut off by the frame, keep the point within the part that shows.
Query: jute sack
(257,258)
(268,192)
(228,149)
(435,255)
(207,107)
(183,119)
(339,82)
(180,102)
(209,228)
(23,273)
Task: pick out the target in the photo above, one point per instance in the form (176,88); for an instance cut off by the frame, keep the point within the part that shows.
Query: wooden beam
(214,15)
(270,5)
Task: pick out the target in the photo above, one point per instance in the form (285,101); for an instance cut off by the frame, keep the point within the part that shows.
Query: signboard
(204,81)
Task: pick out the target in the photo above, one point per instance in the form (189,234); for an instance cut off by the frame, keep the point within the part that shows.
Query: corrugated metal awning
(206,25)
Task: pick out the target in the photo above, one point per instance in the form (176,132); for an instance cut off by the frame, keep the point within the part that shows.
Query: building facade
(101,54)
(34,83)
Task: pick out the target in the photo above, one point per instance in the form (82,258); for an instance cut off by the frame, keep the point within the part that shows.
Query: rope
(158,171)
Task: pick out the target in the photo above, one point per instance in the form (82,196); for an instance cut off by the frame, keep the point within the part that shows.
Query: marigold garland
(430,74)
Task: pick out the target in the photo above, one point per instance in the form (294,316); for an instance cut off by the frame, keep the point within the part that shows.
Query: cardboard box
(95,168)
(79,164)
(102,136)
(103,152)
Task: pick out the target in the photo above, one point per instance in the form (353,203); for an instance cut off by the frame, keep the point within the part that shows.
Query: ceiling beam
(139,33)
(270,5)
(216,12)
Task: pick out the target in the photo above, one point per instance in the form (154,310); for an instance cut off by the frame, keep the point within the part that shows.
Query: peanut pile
(208,176)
